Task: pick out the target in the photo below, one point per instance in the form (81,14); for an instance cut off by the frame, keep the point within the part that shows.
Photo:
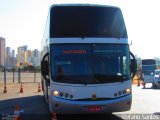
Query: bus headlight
(128,91)
(66,95)
(119,93)
(115,94)
(62,95)
(124,91)
(56,93)
(71,96)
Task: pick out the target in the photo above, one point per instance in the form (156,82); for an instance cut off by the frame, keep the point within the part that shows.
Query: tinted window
(89,63)
(111,60)
(87,21)
(157,72)
(148,62)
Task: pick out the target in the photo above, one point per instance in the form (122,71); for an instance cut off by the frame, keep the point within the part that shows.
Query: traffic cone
(5,90)
(39,88)
(54,116)
(21,89)
(17,113)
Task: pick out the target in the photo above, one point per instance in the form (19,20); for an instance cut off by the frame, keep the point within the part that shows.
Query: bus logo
(94,97)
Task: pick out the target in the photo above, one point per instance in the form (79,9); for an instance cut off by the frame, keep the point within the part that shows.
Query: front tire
(45,91)
(154,85)
(50,106)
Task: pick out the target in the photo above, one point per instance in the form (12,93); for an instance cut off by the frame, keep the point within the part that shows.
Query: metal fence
(19,76)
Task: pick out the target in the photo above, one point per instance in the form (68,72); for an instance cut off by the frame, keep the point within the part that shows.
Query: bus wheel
(154,85)
(50,107)
(46,92)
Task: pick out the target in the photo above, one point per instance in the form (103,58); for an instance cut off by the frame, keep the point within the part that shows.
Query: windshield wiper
(108,78)
(66,79)
(80,81)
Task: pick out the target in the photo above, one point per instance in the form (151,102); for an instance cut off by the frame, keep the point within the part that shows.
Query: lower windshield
(148,69)
(90,63)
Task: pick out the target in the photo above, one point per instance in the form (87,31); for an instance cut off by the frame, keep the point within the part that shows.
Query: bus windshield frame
(89,63)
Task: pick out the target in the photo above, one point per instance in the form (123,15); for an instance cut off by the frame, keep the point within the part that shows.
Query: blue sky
(22,22)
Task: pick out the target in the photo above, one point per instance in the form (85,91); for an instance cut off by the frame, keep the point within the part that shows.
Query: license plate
(94,108)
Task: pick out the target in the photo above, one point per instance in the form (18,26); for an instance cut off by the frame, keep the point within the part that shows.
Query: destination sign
(74,52)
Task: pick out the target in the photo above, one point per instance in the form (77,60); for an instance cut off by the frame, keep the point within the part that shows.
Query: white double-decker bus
(148,68)
(86,61)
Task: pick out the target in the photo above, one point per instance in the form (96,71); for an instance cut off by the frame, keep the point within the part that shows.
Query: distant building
(25,48)
(28,57)
(10,58)
(21,54)
(36,57)
(13,54)
(2,51)
(28,54)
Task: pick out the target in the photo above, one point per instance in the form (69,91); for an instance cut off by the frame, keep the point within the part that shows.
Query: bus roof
(92,5)
(148,59)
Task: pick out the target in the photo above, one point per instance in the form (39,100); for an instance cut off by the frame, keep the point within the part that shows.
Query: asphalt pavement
(32,104)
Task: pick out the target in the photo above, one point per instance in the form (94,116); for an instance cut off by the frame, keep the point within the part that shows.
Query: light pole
(34,74)
(19,73)
(13,73)
(5,88)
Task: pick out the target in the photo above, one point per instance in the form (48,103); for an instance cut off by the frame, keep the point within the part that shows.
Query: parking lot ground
(144,100)
(31,102)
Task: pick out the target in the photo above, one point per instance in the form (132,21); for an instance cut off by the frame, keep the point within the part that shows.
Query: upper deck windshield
(86,21)
(90,63)
(148,62)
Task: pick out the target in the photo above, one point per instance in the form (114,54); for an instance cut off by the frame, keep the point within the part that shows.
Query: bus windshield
(87,21)
(89,63)
(148,66)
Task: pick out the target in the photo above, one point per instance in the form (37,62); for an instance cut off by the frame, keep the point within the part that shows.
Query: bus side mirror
(44,67)
(133,65)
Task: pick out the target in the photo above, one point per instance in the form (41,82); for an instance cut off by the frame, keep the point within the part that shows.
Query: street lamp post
(34,75)
(19,75)
(5,88)
(13,74)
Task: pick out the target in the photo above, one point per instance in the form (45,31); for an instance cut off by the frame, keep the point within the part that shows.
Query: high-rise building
(20,55)
(36,57)
(10,58)
(28,54)
(13,54)
(13,57)
(2,51)
(28,57)
(25,48)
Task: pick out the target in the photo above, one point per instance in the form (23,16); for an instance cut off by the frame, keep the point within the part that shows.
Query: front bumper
(63,106)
